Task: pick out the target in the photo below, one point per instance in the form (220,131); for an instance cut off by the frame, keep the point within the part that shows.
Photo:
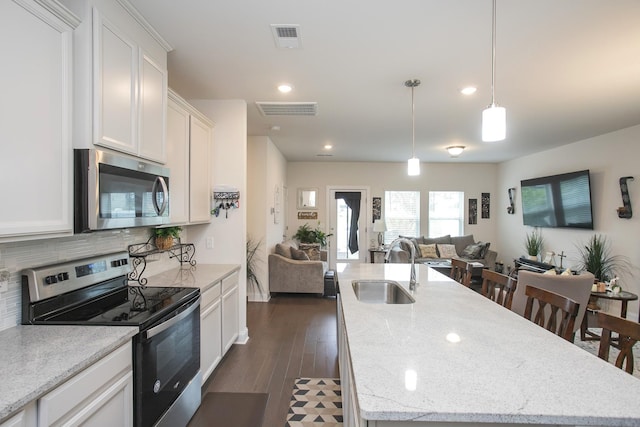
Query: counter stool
(498,287)
(561,306)
(628,334)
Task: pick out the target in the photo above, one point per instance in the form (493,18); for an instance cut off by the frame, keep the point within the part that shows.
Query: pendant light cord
(493,54)
(413,125)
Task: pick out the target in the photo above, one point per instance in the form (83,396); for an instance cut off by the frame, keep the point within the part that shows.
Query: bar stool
(628,334)
(461,271)
(498,287)
(560,306)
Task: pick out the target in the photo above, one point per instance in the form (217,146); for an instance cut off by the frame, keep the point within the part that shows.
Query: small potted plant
(596,258)
(533,244)
(164,236)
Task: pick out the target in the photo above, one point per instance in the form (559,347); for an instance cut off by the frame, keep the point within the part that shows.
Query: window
(401,214)
(446,213)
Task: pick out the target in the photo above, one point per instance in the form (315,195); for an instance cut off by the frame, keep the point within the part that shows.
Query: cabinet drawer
(85,385)
(210,296)
(229,282)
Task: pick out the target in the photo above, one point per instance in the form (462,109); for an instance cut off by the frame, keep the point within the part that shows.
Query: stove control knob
(124,261)
(63,276)
(115,263)
(49,280)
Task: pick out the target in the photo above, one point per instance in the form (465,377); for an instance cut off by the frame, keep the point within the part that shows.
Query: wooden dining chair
(628,334)
(555,312)
(498,287)
(461,271)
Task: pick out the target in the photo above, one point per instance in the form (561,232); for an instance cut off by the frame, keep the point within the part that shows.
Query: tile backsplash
(16,256)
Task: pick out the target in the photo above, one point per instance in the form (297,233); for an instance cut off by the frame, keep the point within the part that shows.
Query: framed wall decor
(307,215)
(473,211)
(307,198)
(486,204)
(377,208)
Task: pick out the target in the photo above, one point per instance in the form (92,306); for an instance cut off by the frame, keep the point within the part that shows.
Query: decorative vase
(533,257)
(164,242)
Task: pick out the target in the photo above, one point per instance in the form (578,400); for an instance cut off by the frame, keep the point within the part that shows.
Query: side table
(623,296)
(377,251)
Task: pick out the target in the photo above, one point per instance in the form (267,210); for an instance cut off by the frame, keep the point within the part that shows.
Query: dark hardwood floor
(290,337)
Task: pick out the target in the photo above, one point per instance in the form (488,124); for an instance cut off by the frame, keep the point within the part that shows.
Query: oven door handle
(172,321)
(154,195)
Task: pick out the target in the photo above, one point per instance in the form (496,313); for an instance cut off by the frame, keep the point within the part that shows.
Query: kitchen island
(454,356)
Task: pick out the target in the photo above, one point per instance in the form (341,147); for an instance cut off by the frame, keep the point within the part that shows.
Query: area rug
(592,347)
(230,409)
(315,402)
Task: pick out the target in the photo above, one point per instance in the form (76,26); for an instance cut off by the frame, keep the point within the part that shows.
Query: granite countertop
(202,276)
(504,369)
(36,359)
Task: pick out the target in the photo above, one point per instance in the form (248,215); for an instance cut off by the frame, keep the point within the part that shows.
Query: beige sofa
(287,274)
(400,253)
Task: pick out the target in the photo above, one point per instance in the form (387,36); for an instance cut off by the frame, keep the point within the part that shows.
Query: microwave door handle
(169,323)
(154,192)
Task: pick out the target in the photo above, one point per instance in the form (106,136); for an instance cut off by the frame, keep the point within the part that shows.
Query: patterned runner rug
(315,402)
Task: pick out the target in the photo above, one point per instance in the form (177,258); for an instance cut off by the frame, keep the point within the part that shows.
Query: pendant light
(494,118)
(413,165)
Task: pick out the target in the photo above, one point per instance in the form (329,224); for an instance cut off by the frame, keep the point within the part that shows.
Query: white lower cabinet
(230,313)
(99,396)
(25,418)
(350,411)
(210,331)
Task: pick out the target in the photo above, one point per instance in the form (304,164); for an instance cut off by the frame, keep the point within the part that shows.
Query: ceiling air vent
(286,36)
(288,108)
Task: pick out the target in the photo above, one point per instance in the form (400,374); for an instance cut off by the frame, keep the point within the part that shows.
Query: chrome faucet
(412,250)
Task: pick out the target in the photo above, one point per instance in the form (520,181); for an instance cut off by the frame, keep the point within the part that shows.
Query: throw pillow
(447,251)
(428,251)
(299,254)
(550,272)
(473,251)
(283,250)
(485,249)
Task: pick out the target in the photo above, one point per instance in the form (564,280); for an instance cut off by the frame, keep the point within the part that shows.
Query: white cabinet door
(200,173)
(210,338)
(178,161)
(230,311)
(35,120)
(153,107)
(99,396)
(25,418)
(115,87)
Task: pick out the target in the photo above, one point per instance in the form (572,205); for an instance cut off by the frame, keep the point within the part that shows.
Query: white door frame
(363,228)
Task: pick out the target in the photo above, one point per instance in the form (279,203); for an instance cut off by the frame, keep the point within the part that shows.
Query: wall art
(377,208)
(486,204)
(307,215)
(473,211)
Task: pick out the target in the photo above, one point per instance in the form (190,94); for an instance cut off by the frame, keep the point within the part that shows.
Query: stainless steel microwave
(114,191)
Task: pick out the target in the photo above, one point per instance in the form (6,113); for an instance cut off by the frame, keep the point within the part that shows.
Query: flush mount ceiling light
(285,88)
(413,165)
(468,90)
(494,118)
(328,146)
(455,150)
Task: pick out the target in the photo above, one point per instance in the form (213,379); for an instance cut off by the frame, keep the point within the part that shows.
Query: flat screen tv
(558,201)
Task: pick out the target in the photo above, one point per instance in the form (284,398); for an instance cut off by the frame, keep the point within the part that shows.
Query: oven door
(167,357)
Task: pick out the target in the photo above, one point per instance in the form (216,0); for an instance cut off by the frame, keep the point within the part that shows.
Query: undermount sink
(381,292)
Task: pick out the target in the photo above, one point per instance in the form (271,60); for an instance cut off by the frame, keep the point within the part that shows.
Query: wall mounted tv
(558,201)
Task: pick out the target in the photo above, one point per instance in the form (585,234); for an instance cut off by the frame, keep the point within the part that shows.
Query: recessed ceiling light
(328,146)
(275,128)
(285,88)
(469,90)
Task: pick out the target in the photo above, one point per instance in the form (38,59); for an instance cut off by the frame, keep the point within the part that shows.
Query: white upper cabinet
(121,80)
(35,119)
(189,144)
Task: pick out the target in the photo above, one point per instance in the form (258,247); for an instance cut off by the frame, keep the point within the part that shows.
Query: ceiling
(565,71)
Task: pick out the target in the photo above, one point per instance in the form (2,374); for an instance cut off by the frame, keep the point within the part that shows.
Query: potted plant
(312,236)
(252,261)
(164,236)
(533,244)
(596,258)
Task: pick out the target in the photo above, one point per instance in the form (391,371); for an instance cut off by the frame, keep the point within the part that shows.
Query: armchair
(287,274)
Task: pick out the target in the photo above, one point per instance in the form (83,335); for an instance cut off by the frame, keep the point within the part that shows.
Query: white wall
(266,175)
(471,178)
(229,167)
(608,157)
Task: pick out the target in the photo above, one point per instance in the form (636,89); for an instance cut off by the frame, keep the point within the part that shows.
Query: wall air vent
(288,108)
(287,36)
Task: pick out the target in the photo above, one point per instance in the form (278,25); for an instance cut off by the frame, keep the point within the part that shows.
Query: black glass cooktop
(128,306)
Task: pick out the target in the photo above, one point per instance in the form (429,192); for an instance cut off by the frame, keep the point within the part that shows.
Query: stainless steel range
(166,351)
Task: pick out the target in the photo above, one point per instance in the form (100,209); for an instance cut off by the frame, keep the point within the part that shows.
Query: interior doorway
(348,224)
